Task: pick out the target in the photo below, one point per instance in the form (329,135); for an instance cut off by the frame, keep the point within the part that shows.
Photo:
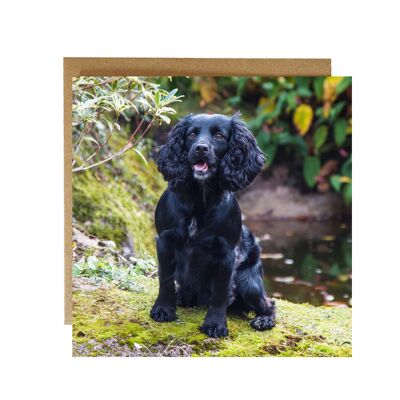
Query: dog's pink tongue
(201,167)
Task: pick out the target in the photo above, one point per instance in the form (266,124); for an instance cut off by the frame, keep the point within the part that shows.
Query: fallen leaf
(323,187)
(265,237)
(328,238)
(334,304)
(342,278)
(284,279)
(272,256)
(328,168)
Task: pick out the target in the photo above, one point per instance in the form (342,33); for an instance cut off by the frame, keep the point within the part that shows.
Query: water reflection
(306,261)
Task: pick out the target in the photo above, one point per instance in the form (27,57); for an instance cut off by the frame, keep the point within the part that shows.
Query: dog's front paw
(214,330)
(162,313)
(262,323)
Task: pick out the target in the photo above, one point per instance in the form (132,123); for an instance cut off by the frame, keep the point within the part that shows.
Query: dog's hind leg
(251,293)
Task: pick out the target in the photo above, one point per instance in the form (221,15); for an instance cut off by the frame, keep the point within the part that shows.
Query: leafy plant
(301,122)
(105,106)
(342,183)
(111,269)
(312,166)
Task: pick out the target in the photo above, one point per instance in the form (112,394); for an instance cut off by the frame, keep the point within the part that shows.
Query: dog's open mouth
(201,166)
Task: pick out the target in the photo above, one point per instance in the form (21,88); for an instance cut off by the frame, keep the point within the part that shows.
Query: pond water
(306,262)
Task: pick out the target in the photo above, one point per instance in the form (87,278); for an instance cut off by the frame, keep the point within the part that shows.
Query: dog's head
(206,147)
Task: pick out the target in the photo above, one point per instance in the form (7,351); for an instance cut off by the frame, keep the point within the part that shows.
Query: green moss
(116,201)
(302,329)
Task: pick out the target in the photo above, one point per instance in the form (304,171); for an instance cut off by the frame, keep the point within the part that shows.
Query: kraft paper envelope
(74,67)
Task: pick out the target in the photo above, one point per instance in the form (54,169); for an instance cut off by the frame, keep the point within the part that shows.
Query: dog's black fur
(206,257)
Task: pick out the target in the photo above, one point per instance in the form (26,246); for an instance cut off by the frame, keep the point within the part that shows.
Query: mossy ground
(116,202)
(111,322)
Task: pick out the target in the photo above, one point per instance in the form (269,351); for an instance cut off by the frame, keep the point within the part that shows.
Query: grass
(107,313)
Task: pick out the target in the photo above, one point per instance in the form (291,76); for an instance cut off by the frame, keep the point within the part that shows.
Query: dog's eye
(218,135)
(192,135)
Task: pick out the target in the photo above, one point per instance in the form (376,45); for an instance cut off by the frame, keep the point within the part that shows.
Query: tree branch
(107,140)
(124,149)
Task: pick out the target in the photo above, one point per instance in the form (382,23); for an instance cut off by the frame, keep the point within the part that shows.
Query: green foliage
(320,136)
(295,120)
(343,183)
(124,106)
(347,192)
(116,200)
(311,169)
(109,268)
(340,131)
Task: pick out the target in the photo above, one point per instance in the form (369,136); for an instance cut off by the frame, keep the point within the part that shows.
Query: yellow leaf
(345,179)
(272,256)
(328,238)
(302,118)
(267,104)
(349,129)
(330,84)
(326,109)
(208,89)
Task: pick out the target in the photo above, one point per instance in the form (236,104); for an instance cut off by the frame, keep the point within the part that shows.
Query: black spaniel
(206,256)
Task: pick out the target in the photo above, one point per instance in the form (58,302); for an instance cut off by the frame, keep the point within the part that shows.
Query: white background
(35,346)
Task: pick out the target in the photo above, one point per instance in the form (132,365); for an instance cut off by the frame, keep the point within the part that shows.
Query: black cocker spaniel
(206,256)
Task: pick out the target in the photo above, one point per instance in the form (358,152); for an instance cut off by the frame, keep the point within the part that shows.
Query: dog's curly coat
(206,256)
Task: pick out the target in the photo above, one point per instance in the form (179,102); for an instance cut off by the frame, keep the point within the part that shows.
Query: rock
(87,284)
(284,202)
(110,244)
(83,240)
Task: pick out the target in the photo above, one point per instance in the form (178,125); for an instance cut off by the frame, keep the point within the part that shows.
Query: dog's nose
(201,148)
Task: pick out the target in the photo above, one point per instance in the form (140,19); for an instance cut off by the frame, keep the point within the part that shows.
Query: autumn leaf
(323,187)
(208,90)
(267,104)
(328,168)
(345,179)
(302,118)
(330,85)
(330,92)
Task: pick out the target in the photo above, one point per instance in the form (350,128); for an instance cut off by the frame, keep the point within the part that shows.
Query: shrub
(105,106)
(302,122)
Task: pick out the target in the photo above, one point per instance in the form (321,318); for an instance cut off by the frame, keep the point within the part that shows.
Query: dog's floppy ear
(243,160)
(172,160)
